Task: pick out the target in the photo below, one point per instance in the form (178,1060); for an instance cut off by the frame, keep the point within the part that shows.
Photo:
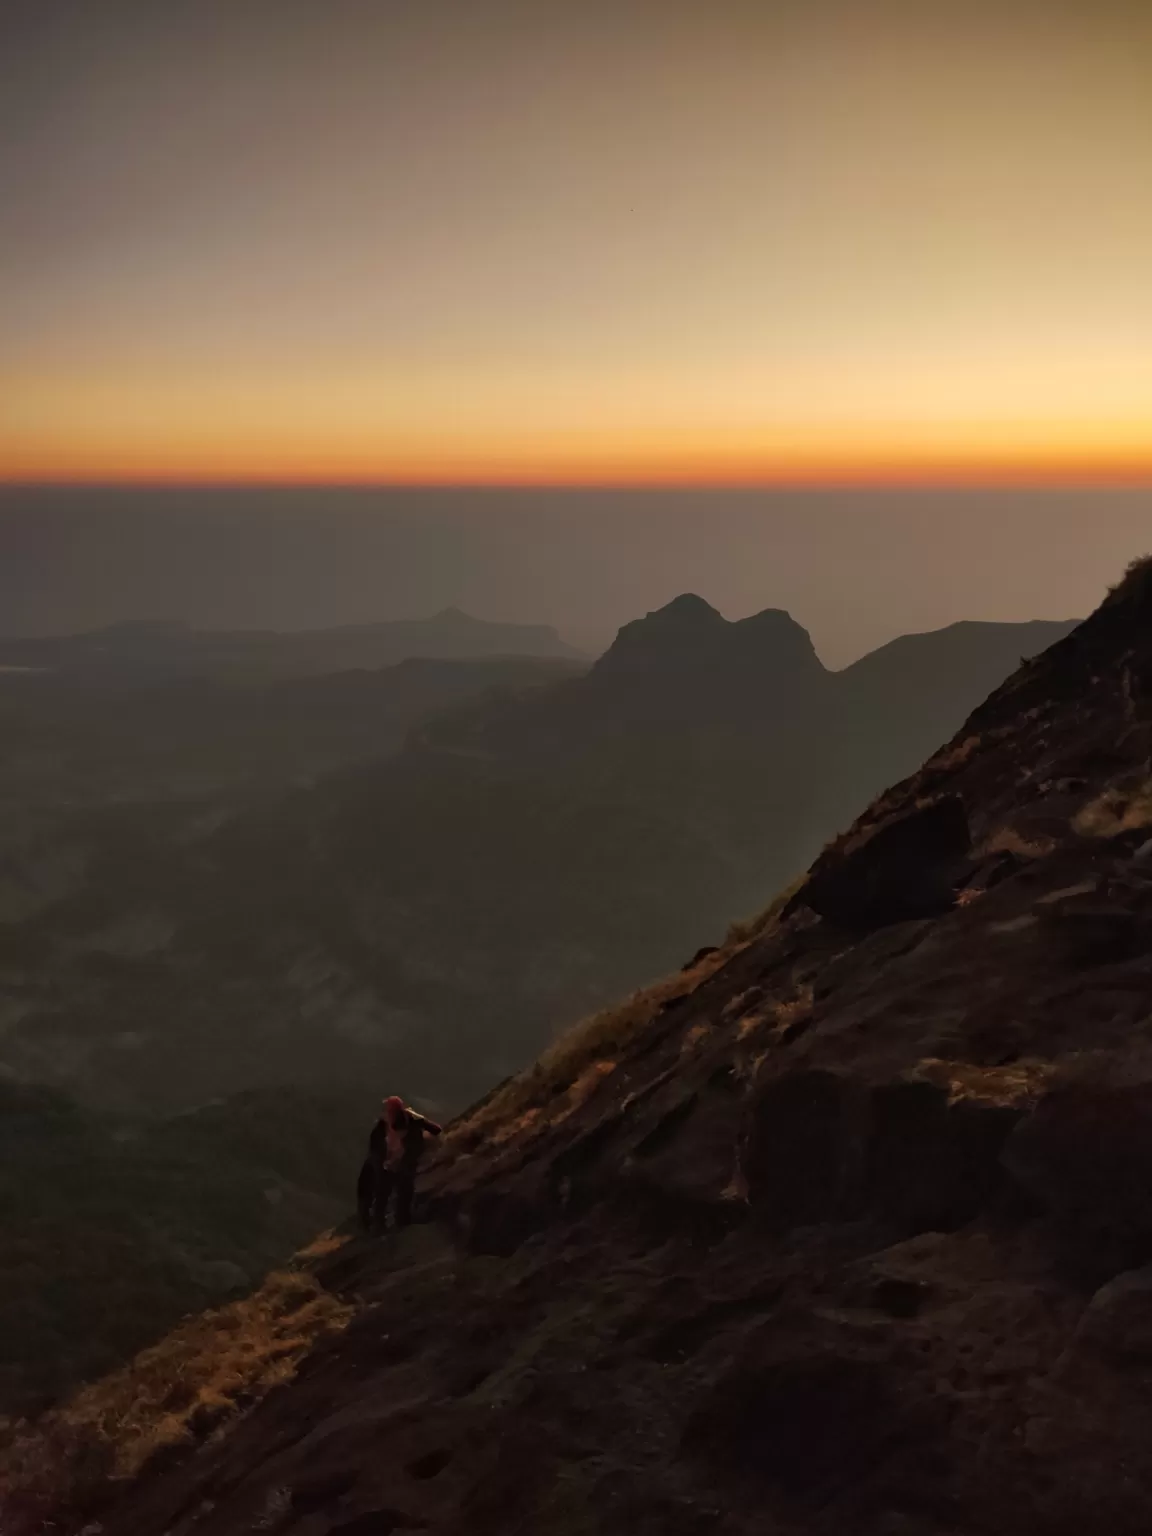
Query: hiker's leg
(405,1188)
(365,1194)
(384,1184)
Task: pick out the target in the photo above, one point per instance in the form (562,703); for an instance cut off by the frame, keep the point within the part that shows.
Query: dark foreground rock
(907,866)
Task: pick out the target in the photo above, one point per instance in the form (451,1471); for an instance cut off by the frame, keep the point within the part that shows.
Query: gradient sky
(608,241)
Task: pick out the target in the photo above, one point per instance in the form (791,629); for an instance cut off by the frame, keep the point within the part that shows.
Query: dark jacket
(413,1129)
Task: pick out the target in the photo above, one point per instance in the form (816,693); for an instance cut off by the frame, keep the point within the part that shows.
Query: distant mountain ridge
(170,648)
(684,664)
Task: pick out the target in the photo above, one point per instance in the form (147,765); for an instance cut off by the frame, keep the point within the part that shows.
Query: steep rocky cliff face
(843,1230)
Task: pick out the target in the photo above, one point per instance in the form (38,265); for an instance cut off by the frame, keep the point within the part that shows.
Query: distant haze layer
(855,568)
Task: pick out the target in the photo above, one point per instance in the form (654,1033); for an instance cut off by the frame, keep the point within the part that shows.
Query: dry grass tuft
(572,1068)
(1018,1084)
(1115,811)
(544,1092)
(1008,840)
(743,933)
(695,1037)
(587,1083)
(749,1024)
(516,1126)
(170,1395)
(949,758)
(771,1024)
(322,1247)
(791,1011)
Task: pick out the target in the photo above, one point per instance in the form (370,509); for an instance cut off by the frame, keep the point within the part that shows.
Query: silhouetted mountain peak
(688,646)
(688,608)
(768,619)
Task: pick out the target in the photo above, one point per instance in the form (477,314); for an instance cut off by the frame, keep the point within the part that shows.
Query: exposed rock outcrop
(905,867)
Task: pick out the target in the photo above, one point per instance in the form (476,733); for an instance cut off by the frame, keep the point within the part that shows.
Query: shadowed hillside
(177,923)
(844,1228)
(75,739)
(112,1229)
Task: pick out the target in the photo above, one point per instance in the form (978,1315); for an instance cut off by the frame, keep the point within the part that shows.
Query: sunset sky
(614,241)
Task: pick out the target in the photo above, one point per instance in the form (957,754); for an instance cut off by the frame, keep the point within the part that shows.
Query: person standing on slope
(395,1148)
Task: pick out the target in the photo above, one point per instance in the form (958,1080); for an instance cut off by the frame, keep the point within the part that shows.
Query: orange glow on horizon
(941,462)
(1021,475)
(948,421)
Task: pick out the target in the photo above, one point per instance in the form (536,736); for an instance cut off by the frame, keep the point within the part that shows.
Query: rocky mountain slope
(899,702)
(844,1229)
(177,924)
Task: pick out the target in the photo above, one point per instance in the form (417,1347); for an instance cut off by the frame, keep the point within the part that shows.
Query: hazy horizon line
(1121,477)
